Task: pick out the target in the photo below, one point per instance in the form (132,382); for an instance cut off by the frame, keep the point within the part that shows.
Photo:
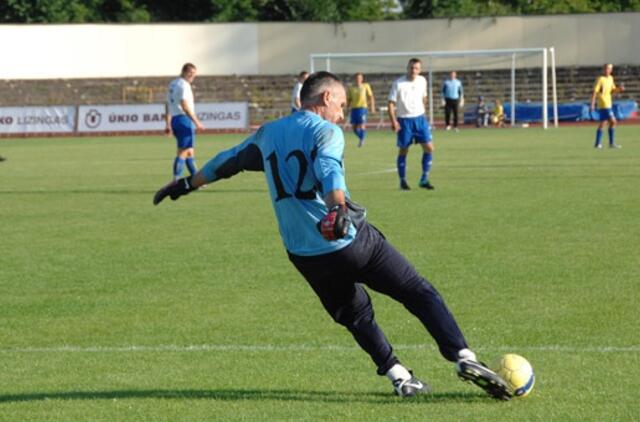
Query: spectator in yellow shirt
(357,97)
(602,91)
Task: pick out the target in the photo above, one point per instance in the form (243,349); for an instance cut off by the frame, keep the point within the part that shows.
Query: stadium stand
(268,95)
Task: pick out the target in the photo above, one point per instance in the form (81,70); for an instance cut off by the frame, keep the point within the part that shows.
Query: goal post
(510,57)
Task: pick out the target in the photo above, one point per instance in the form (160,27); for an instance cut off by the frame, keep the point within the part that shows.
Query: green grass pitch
(112,309)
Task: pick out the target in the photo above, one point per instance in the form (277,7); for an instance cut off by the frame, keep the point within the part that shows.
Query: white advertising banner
(151,117)
(223,115)
(53,119)
(121,118)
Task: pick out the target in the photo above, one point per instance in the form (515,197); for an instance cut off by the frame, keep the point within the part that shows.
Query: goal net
(513,76)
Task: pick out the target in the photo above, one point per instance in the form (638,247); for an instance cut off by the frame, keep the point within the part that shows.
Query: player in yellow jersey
(357,98)
(604,87)
(497,114)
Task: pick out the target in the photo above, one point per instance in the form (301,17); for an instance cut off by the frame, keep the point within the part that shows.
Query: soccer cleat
(478,374)
(404,185)
(457,130)
(447,128)
(599,146)
(360,143)
(426,185)
(615,146)
(410,387)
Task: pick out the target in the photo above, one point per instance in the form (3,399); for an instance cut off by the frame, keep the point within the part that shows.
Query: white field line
(301,348)
(367,173)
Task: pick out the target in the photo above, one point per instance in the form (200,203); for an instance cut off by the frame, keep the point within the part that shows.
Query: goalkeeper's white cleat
(470,370)
(404,383)
(410,387)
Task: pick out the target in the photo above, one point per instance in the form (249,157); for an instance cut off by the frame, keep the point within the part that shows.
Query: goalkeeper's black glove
(335,225)
(174,190)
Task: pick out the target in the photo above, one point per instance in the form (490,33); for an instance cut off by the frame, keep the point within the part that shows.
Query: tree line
(141,11)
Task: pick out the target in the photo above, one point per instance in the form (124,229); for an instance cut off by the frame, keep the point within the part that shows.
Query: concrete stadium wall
(100,51)
(103,51)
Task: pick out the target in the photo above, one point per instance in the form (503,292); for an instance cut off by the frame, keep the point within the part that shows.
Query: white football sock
(466,354)
(398,371)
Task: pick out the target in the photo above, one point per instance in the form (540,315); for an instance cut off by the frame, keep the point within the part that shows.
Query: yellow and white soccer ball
(517,373)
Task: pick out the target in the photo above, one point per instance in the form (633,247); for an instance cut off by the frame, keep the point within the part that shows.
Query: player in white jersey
(406,112)
(295,92)
(181,119)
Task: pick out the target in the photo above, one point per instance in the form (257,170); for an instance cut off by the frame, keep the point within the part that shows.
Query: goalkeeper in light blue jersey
(328,239)
(301,156)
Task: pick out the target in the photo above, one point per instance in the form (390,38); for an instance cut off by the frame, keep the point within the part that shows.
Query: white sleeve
(295,93)
(393,94)
(179,92)
(187,94)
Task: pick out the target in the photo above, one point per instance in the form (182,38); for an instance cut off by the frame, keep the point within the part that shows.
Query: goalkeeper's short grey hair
(316,84)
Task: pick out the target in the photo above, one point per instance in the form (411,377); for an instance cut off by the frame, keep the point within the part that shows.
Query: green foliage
(58,11)
(234,10)
(302,10)
(415,9)
(185,10)
(44,11)
(74,11)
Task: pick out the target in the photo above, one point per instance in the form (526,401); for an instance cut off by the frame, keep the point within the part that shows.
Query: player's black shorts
(371,260)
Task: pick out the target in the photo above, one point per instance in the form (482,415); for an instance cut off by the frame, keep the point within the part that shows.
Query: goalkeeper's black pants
(451,107)
(370,259)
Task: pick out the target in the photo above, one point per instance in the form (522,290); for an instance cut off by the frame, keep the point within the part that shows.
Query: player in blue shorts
(602,91)
(406,112)
(182,120)
(328,239)
(359,96)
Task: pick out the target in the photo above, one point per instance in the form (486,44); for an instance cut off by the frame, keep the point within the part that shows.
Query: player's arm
(461,95)
(167,119)
(617,89)
(296,95)
(596,88)
(391,110)
(327,161)
(191,114)
(372,99)
(425,102)
(335,225)
(245,156)
(425,96)
(328,169)
(335,197)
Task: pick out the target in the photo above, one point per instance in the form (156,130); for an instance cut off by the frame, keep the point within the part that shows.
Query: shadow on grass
(248,394)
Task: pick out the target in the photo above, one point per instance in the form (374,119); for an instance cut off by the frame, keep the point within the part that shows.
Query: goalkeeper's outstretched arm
(245,156)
